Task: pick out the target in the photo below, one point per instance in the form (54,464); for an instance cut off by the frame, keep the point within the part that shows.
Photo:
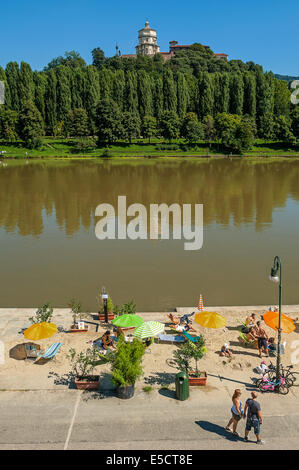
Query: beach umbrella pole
(277,267)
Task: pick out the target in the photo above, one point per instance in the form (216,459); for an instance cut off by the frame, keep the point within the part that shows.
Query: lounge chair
(193,339)
(243,339)
(50,353)
(170,339)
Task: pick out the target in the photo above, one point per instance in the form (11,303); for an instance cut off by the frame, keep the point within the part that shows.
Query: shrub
(189,352)
(126,362)
(129,308)
(76,308)
(43,314)
(83,363)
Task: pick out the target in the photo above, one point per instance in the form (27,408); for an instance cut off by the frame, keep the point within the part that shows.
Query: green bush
(189,353)
(43,314)
(83,363)
(129,308)
(126,362)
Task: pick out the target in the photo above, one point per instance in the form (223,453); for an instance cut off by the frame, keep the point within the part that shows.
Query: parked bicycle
(267,385)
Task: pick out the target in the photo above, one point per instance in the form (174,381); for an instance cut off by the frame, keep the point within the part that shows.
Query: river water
(49,250)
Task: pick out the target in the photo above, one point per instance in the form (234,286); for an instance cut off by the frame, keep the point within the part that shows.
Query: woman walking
(237,412)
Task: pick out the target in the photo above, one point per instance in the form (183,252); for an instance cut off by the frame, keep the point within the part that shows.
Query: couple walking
(252,412)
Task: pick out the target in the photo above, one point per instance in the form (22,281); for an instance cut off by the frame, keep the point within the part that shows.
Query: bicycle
(267,385)
(286,372)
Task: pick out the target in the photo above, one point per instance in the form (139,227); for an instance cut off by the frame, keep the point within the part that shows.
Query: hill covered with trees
(193,96)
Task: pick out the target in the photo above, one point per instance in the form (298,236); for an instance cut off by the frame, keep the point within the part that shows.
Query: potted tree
(83,365)
(188,353)
(126,366)
(76,308)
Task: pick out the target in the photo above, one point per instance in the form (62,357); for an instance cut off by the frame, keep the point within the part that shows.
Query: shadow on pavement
(215,429)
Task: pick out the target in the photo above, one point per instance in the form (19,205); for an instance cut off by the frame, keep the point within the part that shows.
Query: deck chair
(50,353)
(193,339)
(245,341)
(170,339)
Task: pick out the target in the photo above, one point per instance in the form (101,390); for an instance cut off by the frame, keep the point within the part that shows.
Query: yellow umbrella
(40,331)
(272,320)
(210,320)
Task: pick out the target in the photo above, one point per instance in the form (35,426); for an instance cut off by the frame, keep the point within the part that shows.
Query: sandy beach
(158,364)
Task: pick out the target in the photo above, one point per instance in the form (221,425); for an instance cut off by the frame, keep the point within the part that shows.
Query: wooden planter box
(82,383)
(102,316)
(76,330)
(198,381)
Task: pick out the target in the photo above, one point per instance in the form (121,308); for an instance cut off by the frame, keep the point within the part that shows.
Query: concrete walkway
(75,420)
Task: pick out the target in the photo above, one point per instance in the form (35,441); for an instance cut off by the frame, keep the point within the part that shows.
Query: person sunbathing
(225,351)
(173,319)
(107,341)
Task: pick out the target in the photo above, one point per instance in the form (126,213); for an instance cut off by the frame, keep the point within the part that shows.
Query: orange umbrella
(40,331)
(272,319)
(210,320)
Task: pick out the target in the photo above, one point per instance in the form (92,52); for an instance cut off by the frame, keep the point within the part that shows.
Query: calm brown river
(49,251)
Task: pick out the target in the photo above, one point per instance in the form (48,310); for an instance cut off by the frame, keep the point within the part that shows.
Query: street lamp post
(275,277)
(105,300)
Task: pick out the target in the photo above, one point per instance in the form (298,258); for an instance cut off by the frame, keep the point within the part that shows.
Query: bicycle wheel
(289,381)
(260,386)
(283,389)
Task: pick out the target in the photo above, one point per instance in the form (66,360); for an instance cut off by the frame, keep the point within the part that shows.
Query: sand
(158,364)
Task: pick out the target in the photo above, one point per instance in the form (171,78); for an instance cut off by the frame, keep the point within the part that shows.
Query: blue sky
(264,31)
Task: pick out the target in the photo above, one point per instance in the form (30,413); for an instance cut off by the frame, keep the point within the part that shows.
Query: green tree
(205,105)
(170,125)
(98,58)
(31,125)
(209,129)
(144,93)
(109,121)
(192,130)
(26,83)
(12,73)
(249,94)
(236,94)
(234,132)
(149,127)
(282,98)
(182,94)
(169,91)
(283,129)
(77,124)
(8,124)
(130,126)
(51,101)
(64,99)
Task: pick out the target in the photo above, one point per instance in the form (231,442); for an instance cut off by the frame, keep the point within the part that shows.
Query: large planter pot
(125,392)
(200,380)
(110,316)
(87,383)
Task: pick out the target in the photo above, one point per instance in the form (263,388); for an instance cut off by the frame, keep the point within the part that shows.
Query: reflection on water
(49,249)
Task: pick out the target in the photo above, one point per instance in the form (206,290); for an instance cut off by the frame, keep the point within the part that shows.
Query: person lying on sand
(173,319)
(225,351)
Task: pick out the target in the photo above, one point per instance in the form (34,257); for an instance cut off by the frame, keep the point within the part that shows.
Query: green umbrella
(128,321)
(149,329)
